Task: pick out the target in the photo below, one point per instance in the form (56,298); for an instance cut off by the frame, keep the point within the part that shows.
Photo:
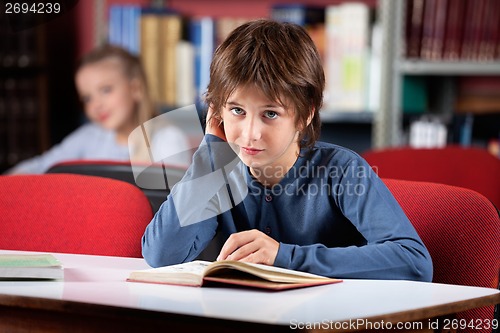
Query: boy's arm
(393,250)
(187,220)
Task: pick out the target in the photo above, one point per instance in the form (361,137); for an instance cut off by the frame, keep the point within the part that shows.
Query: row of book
(177,50)
(20,117)
(20,42)
(23,101)
(453,30)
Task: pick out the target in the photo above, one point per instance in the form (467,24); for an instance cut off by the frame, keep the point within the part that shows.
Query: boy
(261,178)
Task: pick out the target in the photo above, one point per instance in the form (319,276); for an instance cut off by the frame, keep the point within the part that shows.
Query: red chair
(154,180)
(72,214)
(472,168)
(461,229)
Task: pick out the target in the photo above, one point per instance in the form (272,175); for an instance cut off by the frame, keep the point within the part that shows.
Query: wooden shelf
(452,68)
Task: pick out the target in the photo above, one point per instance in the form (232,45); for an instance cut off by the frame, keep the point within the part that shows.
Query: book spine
(428,29)
(150,55)
(115,25)
(414,28)
(454,29)
(439,30)
(471,29)
(171,28)
(203,39)
(490,30)
(185,93)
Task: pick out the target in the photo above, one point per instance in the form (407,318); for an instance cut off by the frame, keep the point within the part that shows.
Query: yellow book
(171,33)
(150,53)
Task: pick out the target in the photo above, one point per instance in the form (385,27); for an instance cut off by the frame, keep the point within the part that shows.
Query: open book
(30,266)
(199,273)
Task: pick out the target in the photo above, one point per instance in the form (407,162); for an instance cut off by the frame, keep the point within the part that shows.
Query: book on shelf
(490,32)
(472,30)
(202,36)
(428,24)
(201,273)
(438,34)
(123,27)
(414,22)
(347,56)
(170,35)
(453,29)
(478,95)
(30,267)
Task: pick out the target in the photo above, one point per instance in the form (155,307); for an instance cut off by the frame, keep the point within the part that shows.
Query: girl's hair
(132,69)
(278,58)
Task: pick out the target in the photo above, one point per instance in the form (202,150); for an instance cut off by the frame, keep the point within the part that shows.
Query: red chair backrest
(468,167)
(72,214)
(461,230)
(154,180)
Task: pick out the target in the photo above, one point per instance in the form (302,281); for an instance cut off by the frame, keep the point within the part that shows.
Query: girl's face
(263,131)
(109,97)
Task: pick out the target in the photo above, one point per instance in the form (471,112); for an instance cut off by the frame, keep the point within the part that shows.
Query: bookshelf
(334,119)
(390,122)
(23,90)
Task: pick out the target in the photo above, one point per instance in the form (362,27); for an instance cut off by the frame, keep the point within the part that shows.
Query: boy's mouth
(251,151)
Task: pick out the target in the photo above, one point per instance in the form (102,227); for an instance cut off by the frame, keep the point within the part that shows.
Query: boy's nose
(251,129)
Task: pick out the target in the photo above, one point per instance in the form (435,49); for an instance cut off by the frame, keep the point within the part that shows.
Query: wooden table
(94,297)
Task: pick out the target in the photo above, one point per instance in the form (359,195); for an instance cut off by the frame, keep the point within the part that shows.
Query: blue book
(131,28)
(135,36)
(115,25)
(202,35)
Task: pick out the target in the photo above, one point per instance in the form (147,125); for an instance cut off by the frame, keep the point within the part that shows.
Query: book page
(270,273)
(189,273)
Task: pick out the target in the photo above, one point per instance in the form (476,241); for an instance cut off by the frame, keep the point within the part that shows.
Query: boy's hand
(213,125)
(250,246)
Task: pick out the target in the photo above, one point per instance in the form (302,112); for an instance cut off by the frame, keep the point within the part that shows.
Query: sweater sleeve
(187,221)
(68,149)
(393,249)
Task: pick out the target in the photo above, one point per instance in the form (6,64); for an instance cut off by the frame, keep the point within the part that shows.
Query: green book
(30,267)
(414,98)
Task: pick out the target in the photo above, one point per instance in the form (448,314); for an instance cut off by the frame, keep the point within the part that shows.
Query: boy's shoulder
(322,147)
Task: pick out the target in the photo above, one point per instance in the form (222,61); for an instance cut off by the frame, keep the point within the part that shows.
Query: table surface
(102,280)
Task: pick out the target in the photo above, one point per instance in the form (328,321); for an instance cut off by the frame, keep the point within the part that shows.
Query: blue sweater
(331,214)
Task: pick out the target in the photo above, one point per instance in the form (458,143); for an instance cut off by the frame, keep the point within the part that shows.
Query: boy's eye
(271,114)
(237,111)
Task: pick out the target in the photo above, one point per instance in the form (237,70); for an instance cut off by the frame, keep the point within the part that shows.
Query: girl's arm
(69,149)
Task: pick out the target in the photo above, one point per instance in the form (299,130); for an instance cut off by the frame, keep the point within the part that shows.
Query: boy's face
(264,131)
(107,94)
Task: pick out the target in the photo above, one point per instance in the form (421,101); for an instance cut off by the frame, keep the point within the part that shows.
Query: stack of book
(453,30)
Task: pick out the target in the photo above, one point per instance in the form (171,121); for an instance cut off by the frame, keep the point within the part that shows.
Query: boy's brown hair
(278,58)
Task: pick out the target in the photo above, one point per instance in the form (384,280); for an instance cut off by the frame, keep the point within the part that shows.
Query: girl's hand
(250,246)
(214,126)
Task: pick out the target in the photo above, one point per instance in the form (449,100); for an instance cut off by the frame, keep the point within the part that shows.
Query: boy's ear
(311,116)
(309,120)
